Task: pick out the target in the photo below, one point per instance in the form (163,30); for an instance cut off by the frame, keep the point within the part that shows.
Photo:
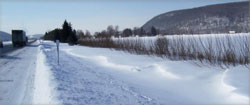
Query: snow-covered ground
(101,76)
(87,75)
(10,42)
(7,43)
(17,75)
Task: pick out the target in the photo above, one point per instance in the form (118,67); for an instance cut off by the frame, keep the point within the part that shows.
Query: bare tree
(87,33)
(110,31)
(80,34)
(116,31)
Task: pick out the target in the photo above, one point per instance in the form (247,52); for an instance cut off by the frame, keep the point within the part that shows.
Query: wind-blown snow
(102,76)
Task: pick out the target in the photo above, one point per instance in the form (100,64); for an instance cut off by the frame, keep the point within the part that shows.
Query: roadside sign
(57,46)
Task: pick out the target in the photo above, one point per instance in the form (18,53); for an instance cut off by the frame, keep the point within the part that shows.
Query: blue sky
(37,17)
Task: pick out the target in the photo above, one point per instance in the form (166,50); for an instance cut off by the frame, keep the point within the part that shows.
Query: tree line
(113,31)
(67,34)
(64,35)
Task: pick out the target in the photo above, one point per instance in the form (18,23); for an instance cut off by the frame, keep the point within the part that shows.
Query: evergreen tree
(153,31)
(127,32)
(66,31)
(142,32)
(57,34)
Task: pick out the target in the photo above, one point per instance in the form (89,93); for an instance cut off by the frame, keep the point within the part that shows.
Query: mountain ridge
(4,36)
(217,18)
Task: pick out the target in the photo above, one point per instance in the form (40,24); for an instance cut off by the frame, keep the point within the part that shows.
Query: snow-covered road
(87,75)
(17,75)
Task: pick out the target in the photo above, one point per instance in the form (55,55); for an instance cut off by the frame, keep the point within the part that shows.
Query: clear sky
(37,17)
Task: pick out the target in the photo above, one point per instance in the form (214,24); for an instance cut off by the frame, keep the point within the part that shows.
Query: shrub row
(226,50)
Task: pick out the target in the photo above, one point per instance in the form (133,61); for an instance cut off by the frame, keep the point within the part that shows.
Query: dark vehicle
(27,39)
(19,38)
(1,44)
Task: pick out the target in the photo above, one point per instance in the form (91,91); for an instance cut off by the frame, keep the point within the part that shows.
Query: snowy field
(102,76)
(31,75)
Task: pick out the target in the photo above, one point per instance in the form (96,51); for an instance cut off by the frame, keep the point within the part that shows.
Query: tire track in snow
(18,71)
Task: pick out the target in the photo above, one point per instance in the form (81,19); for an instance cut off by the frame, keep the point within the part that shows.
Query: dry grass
(226,50)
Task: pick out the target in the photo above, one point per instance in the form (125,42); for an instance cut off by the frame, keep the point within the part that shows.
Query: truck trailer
(18,38)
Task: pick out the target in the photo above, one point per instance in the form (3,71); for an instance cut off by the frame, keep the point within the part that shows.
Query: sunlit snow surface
(43,86)
(103,76)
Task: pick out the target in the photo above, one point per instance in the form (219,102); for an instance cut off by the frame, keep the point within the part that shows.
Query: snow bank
(7,42)
(44,92)
(202,84)
(102,76)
